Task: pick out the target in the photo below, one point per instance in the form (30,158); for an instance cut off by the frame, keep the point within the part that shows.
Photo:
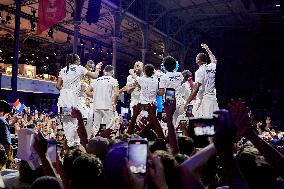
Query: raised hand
(204,46)
(240,117)
(170,108)
(99,66)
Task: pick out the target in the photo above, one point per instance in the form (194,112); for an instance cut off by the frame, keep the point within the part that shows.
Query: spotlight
(1,51)
(50,32)
(12,57)
(47,57)
(277,5)
(82,43)
(93,46)
(54,54)
(155,53)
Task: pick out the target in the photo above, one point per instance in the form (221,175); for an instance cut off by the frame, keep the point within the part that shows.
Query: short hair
(108,69)
(202,57)
(71,58)
(69,158)
(186,74)
(46,182)
(170,63)
(186,145)
(180,158)
(149,70)
(87,172)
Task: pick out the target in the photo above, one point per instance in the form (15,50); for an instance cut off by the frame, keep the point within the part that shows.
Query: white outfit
(207,100)
(174,80)
(149,89)
(103,99)
(135,95)
(69,97)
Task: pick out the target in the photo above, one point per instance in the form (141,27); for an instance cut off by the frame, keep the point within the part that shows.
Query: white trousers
(70,126)
(179,110)
(208,106)
(102,116)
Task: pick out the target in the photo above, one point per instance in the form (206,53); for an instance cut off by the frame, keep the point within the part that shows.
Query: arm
(211,55)
(115,98)
(94,75)
(59,83)
(81,127)
(239,114)
(190,170)
(192,95)
(89,91)
(170,110)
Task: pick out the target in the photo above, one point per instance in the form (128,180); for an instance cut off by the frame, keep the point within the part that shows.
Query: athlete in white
(105,93)
(205,90)
(148,84)
(131,86)
(69,85)
(173,80)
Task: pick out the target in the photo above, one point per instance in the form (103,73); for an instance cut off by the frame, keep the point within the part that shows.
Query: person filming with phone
(69,85)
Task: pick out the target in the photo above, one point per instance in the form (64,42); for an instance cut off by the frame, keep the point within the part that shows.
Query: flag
(18,105)
(50,12)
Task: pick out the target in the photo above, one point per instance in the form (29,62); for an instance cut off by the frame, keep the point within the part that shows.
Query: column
(114,53)
(16,47)
(144,52)
(145,31)
(76,34)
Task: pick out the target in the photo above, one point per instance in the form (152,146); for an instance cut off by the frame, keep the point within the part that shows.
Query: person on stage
(205,91)
(105,93)
(69,85)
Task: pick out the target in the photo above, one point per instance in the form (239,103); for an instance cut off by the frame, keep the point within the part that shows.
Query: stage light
(111,53)
(93,46)
(277,5)
(54,54)
(12,57)
(160,55)
(33,54)
(47,57)
(0,50)
(155,53)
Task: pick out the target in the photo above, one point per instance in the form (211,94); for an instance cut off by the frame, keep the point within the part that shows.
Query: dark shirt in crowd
(5,135)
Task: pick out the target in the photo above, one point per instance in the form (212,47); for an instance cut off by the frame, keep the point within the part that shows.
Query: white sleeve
(60,74)
(129,80)
(139,80)
(82,70)
(115,83)
(163,81)
(199,76)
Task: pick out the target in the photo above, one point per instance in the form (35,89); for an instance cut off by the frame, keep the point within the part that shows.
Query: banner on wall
(50,12)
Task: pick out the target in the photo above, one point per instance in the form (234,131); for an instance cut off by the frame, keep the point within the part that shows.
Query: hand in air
(204,46)
(99,66)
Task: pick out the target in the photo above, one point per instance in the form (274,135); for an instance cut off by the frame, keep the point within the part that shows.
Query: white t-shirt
(187,90)
(205,75)
(173,80)
(199,78)
(103,92)
(72,78)
(149,89)
(209,79)
(135,95)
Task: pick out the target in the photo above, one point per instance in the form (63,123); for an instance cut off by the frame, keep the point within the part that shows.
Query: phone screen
(65,111)
(170,94)
(102,127)
(137,155)
(52,150)
(204,127)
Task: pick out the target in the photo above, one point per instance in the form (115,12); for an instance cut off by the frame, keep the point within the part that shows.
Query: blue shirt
(5,135)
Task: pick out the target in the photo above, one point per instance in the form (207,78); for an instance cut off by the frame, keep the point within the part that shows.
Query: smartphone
(203,127)
(102,127)
(189,111)
(65,111)
(52,150)
(179,133)
(137,155)
(170,94)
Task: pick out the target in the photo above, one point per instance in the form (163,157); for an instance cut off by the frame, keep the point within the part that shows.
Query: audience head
(69,158)
(186,145)
(5,108)
(27,175)
(180,158)
(149,70)
(159,144)
(109,71)
(87,172)
(201,58)
(169,63)
(98,146)
(46,182)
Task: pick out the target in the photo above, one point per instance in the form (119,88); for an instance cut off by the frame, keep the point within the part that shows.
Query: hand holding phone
(170,95)
(137,155)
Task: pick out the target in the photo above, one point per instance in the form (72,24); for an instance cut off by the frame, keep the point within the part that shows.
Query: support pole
(16,47)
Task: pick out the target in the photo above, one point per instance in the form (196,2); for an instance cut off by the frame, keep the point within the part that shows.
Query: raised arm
(94,75)
(115,98)
(59,83)
(211,55)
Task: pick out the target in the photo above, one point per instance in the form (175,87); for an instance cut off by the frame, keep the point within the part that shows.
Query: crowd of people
(93,139)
